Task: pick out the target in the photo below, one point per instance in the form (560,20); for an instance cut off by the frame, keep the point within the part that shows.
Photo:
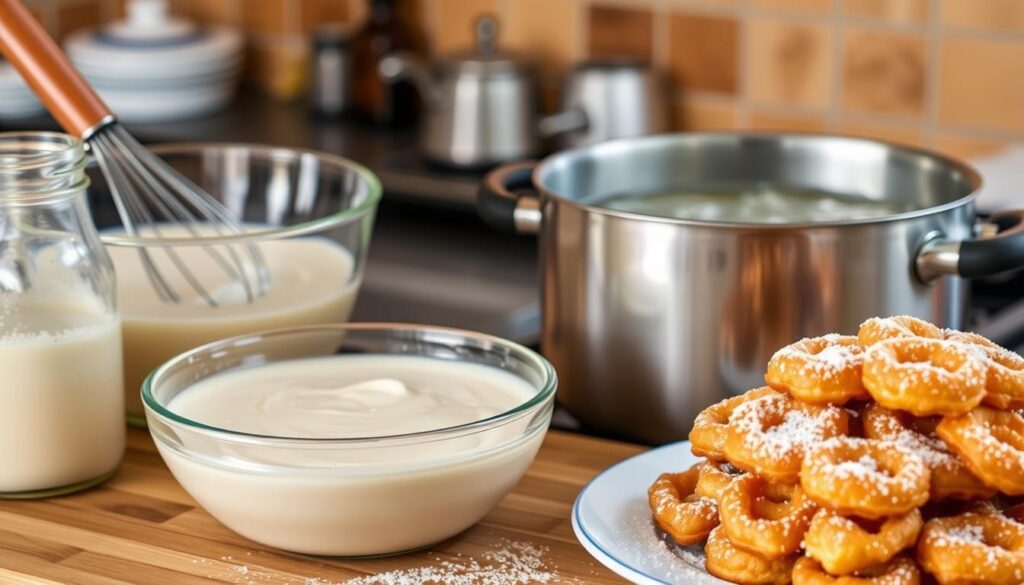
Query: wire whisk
(152,198)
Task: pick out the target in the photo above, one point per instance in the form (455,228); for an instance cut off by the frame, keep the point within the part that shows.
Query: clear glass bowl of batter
(325,492)
(309,213)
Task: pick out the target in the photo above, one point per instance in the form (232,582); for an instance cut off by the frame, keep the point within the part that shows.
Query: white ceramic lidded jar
(61,391)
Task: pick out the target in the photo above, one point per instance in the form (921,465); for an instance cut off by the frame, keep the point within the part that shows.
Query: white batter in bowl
(351,440)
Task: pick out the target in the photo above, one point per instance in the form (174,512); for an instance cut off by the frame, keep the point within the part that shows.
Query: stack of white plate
(151,68)
(16,99)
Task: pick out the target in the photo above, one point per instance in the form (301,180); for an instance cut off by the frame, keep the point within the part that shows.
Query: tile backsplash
(947,74)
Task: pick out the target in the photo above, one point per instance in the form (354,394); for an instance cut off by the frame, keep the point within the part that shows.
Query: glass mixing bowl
(350,496)
(310,214)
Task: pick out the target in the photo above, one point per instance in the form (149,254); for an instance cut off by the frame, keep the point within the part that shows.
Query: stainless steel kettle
(481,108)
(609,99)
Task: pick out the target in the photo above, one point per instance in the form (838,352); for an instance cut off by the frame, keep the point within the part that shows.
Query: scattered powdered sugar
(510,562)
(931,449)
(796,431)
(852,459)
(819,357)
(231,570)
(514,563)
(934,372)
(838,357)
(903,572)
(666,499)
(657,553)
(898,326)
(863,469)
(998,452)
(955,535)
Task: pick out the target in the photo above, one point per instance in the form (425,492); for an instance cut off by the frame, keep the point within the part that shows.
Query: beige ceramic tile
(551,95)
(357,10)
(316,12)
(456,23)
(218,11)
(266,16)
(116,8)
(960,146)
(819,6)
(908,11)
(45,13)
(908,135)
(278,67)
(714,4)
(774,121)
(983,14)
(545,30)
(978,86)
(617,31)
(695,114)
(703,52)
(789,63)
(884,73)
(77,16)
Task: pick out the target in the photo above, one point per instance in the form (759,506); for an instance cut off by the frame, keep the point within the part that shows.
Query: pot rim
(969,171)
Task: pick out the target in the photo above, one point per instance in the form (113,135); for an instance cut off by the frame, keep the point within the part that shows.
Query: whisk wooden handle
(49,72)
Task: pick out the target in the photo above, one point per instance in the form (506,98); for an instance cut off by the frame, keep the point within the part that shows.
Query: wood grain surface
(142,528)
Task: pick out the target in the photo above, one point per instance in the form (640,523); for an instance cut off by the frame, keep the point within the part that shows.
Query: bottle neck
(40,168)
(382,11)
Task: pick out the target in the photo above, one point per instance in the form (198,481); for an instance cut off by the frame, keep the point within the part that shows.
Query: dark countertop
(391,153)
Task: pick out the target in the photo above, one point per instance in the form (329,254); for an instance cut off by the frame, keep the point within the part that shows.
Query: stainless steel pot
(609,99)
(481,108)
(648,320)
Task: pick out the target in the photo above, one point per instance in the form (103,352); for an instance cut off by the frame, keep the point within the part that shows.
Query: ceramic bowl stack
(152,68)
(16,99)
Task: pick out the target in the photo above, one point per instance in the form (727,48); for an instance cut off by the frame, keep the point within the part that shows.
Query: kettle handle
(403,65)
(501,202)
(571,120)
(1001,250)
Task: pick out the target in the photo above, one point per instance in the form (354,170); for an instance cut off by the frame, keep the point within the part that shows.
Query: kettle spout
(403,66)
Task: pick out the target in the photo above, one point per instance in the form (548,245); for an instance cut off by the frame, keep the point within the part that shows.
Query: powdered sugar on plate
(659,552)
(613,522)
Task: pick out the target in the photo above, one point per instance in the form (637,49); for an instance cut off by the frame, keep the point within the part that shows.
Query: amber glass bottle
(392,25)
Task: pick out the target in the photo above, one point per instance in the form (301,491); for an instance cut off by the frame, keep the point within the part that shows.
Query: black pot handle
(1001,251)
(501,202)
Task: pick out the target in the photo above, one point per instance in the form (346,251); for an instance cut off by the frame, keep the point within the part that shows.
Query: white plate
(213,52)
(159,106)
(612,521)
(231,70)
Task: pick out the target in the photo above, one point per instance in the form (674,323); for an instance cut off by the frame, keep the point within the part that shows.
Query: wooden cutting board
(141,528)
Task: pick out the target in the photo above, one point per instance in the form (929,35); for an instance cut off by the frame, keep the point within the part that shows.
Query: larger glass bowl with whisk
(308,217)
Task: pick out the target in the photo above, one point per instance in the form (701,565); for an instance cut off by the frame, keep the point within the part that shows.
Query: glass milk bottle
(61,397)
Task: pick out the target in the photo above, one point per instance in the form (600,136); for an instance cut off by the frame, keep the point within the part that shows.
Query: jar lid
(332,34)
(150,45)
(485,58)
(491,65)
(613,64)
(147,25)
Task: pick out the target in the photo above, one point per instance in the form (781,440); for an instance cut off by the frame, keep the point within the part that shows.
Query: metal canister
(330,78)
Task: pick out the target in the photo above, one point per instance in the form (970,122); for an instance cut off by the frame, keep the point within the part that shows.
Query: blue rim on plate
(622,534)
(588,541)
